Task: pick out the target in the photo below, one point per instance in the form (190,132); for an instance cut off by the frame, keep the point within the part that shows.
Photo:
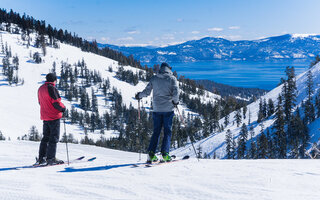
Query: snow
(110,176)
(215,143)
(19,104)
(166,53)
(296,35)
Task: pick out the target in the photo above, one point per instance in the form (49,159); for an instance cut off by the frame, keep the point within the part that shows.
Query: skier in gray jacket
(165,97)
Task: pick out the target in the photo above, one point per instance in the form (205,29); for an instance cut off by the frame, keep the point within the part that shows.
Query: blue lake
(249,74)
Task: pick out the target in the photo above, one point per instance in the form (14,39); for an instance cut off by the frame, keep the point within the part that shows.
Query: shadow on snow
(99,168)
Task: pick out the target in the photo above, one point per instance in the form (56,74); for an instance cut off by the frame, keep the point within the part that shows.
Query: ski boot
(152,157)
(40,162)
(166,157)
(54,161)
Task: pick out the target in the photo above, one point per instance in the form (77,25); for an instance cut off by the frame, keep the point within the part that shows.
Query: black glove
(137,96)
(175,103)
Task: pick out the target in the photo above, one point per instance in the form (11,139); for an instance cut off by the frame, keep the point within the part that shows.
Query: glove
(175,103)
(137,96)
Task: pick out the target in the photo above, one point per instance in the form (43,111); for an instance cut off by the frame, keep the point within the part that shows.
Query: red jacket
(51,107)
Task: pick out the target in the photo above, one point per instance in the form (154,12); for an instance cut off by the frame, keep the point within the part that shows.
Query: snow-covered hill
(110,176)
(215,144)
(19,104)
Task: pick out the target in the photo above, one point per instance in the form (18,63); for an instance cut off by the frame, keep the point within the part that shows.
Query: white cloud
(234,27)
(125,39)
(105,39)
(195,32)
(215,29)
(133,32)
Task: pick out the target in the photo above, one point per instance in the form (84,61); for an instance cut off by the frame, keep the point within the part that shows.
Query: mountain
(289,46)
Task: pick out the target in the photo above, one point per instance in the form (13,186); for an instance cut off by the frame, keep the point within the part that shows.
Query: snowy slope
(216,142)
(19,105)
(111,177)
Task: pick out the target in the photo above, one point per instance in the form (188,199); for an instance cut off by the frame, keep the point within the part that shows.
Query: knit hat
(165,68)
(51,77)
(165,65)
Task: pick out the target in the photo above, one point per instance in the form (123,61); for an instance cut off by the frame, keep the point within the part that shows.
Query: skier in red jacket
(51,110)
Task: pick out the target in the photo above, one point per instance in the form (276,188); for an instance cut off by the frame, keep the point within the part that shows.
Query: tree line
(289,135)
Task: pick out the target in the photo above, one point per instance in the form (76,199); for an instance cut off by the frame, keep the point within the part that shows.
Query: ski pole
(139,118)
(65,135)
(181,118)
(139,109)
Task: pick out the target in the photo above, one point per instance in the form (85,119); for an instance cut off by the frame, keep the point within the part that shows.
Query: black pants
(51,133)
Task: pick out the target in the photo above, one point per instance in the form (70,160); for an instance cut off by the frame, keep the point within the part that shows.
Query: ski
(164,163)
(174,159)
(77,160)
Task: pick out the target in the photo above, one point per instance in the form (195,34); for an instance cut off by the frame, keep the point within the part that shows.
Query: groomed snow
(112,177)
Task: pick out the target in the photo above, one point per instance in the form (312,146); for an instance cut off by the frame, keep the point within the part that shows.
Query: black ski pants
(51,133)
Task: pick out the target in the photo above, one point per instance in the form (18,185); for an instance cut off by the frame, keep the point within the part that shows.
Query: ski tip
(91,159)
(186,157)
(173,156)
(80,158)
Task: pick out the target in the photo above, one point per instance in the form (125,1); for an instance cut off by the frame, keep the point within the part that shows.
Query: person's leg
(157,125)
(44,141)
(167,124)
(54,138)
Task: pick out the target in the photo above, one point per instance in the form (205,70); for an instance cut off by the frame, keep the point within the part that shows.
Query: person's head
(165,67)
(51,77)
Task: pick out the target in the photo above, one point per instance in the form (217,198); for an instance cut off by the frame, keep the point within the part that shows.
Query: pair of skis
(174,159)
(77,160)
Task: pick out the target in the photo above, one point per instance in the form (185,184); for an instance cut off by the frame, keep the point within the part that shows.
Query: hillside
(289,46)
(110,176)
(19,102)
(215,144)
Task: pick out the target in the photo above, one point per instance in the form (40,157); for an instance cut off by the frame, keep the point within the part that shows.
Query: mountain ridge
(287,46)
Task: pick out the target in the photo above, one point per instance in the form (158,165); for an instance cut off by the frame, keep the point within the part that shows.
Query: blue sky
(163,22)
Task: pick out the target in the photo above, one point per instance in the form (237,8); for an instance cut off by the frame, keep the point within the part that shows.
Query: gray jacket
(165,90)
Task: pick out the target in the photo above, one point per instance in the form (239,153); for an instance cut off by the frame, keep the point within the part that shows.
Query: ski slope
(110,176)
(19,104)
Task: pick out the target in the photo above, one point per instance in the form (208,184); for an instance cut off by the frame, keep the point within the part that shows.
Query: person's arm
(175,91)
(147,91)
(56,99)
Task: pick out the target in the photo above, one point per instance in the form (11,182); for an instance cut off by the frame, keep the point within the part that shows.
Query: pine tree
(34,134)
(229,139)
(253,146)
(300,139)
(289,93)
(309,109)
(238,117)
(270,107)
(264,109)
(244,111)
(280,134)
(2,136)
(243,137)
(260,112)
(318,105)
(262,144)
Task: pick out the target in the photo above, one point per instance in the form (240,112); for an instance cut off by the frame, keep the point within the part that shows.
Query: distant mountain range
(289,46)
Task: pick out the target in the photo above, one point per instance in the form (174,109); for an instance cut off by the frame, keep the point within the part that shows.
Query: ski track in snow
(110,176)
